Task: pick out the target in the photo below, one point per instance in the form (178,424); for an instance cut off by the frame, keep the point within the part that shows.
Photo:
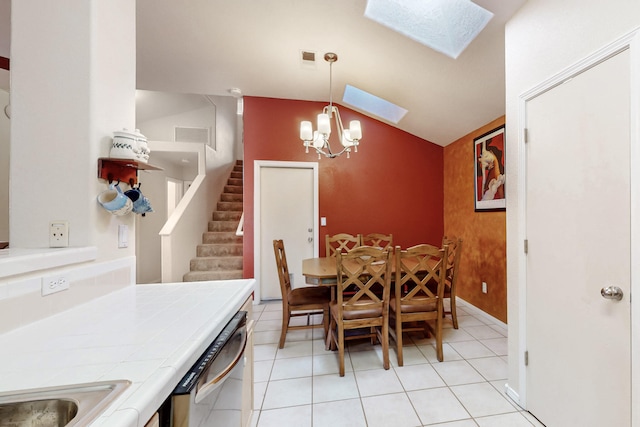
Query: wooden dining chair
(415,268)
(377,240)
(302,301)
(341,242)
(368,271)
(453,261)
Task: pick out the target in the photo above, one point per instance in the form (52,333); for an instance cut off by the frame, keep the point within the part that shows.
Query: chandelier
(319,139)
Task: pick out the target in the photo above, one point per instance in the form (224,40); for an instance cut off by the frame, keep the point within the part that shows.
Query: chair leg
(331,338)
(438,334)
(325,322)
(385,344)
(454,316)
(285,324)
(399,341)
(341,348)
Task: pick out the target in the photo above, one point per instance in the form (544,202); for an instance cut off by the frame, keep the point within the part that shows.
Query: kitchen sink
(63,406)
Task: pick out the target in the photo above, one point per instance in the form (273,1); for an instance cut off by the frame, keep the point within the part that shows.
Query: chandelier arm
(338,123)
(330,154)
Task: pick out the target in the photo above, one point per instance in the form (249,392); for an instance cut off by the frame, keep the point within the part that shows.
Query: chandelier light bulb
(346,138)
(355,130)
(306,131)
(318,140)
(324,125)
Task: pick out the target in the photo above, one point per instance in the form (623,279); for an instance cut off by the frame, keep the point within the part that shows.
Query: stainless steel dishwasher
(210,394)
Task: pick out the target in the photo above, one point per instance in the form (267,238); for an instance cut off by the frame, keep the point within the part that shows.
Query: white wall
(4,168)
(542,39)
(72,85)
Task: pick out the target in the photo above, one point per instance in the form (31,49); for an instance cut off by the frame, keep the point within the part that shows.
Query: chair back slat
(453,259)
(283,268)
(364,277)
(341,242)
(416,268)
(377,240)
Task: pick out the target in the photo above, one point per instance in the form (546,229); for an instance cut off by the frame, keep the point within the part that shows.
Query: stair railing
(240,229)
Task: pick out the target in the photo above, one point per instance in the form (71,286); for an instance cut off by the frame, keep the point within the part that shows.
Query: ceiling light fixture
(319,139)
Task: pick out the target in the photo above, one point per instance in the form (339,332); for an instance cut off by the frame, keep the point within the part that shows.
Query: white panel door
(578,231)
(286,212)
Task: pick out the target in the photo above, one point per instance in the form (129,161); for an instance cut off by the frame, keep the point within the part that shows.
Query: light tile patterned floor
(299,385)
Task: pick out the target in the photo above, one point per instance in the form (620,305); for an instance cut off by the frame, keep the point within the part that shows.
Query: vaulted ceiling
(211,46)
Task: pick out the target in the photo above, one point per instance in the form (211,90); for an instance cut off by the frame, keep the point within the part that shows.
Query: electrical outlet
(54,283)
(484,287)
(59,234)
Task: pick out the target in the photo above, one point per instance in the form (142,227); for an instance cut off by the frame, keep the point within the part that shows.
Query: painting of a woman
(490,173)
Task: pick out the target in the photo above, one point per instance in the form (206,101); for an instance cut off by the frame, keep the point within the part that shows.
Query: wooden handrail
(240,229)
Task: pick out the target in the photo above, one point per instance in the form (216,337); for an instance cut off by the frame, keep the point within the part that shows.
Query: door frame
(630,41)
(257,199)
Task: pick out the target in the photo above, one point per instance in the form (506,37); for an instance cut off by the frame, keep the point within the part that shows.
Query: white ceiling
(211,46)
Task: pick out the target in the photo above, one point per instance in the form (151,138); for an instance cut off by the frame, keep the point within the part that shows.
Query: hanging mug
(141,204)
(115,201)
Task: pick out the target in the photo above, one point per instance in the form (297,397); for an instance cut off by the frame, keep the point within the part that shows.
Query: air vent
(308,59)
(192,134)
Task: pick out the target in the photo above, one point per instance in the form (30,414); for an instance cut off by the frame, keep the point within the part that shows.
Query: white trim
(475,311)
(634,158)
(512,394)
(15,261)
(257,165)
(630,41)
(240,228)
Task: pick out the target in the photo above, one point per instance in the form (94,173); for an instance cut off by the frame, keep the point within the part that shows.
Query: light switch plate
(123,236)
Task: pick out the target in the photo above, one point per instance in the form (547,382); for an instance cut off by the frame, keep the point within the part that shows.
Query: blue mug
(114,200)
(141,204)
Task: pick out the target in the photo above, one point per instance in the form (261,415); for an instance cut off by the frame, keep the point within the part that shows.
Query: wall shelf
(123,170)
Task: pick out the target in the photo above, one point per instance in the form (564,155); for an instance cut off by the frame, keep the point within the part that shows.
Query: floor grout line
(475,334)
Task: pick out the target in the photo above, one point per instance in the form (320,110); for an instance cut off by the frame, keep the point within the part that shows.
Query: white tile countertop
(147,334)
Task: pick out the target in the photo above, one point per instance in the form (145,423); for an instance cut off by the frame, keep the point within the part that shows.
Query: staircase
(219,257)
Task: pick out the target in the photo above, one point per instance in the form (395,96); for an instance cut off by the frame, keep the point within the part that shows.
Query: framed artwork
(490,171)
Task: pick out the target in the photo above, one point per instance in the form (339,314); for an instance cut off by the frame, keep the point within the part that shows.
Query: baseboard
(479,312)
(513,395)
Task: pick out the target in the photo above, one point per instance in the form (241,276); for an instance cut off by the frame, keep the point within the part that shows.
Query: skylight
(372,104)
(447,26)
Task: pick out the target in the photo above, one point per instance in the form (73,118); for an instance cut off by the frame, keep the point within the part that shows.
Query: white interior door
(578,232)
(175,190)
(288,199)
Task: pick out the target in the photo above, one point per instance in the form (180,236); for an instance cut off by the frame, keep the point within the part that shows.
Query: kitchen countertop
(147,334)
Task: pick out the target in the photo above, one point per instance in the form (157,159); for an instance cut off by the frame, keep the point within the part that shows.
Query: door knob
(612,292)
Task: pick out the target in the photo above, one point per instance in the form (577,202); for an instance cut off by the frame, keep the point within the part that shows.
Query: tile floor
(299,385)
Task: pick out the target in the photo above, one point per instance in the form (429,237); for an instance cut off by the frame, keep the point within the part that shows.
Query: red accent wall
(393,184)
(484,234)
